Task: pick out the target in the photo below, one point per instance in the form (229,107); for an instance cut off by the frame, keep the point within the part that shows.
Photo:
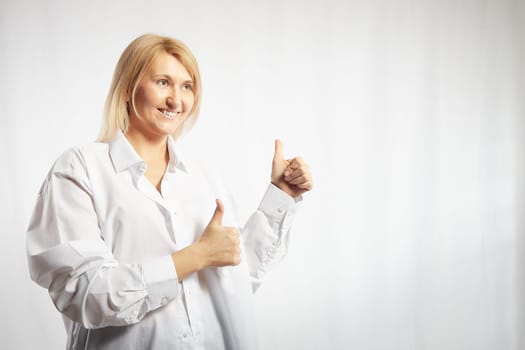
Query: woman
(137,246)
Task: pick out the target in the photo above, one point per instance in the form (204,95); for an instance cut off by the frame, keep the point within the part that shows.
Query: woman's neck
(150,149)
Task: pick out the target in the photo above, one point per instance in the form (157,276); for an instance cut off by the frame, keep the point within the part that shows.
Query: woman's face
(163,99)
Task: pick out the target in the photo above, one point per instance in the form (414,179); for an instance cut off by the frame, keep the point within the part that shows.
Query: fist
(220,244)
(290,175)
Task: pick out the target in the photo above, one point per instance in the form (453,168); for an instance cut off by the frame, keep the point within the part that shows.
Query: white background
(410,114)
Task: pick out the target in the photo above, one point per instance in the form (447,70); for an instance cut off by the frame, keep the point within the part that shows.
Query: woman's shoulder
(77,157)
(72,164)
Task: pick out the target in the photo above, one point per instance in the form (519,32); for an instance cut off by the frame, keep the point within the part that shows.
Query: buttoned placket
(147,188)
(190,283)
(170,208)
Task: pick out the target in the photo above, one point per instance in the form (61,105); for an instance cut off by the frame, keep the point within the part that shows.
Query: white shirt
(101,237)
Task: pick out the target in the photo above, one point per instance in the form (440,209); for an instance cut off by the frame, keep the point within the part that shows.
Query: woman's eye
(187,87)
(163,83)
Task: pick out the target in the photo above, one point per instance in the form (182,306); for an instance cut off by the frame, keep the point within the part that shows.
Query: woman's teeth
(170,115)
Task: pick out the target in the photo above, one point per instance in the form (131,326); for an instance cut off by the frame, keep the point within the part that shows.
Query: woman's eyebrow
(169,77)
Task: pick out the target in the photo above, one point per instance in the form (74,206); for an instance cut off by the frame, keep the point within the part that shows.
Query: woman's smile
(169,114)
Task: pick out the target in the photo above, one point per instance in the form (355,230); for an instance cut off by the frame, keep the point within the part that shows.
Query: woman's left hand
(290,175)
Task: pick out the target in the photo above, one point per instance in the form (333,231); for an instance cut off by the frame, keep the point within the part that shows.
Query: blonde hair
(133,64)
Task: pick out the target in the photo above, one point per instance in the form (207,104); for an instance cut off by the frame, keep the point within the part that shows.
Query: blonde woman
(136,245)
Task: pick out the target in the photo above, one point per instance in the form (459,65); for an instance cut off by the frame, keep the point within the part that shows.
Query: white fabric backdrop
(410,113)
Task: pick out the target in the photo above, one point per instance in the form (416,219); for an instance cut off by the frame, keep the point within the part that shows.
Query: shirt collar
(175,161)
(124,156)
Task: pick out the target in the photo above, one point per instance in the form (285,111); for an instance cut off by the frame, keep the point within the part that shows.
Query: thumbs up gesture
(290,175)
(219,245)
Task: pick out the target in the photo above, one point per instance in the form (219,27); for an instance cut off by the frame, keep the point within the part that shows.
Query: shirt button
(280,210)
(163,301)
(185,335)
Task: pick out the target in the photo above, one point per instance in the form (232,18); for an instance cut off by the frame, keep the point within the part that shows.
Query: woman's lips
(169,114)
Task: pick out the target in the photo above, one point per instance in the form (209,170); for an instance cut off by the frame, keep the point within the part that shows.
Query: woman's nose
(173,101)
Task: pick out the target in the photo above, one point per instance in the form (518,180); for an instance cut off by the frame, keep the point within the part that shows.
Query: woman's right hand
(219,245)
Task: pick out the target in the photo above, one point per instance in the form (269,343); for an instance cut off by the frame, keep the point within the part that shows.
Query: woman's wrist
(188,260)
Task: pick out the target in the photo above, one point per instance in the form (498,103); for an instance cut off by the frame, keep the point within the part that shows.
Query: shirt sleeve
(267,232)
(67,256)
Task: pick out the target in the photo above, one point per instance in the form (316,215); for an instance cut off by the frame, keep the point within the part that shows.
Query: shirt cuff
(161,280)
(276,203)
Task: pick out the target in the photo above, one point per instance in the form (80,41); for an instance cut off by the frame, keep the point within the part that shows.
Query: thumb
(278,155)
(219,212)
